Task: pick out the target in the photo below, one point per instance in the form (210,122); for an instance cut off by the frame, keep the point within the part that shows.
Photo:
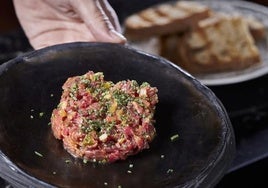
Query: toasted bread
(164,19)
(197,38)
(218,43)
(256,28)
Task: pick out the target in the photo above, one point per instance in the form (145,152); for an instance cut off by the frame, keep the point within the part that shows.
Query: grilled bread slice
(164,19)
(218,43)
(256,28)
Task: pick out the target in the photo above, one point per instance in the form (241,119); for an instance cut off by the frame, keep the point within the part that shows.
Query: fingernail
(118,37)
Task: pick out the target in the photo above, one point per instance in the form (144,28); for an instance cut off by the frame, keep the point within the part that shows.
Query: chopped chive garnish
(38,154)
(67,161)
(174,137)
(41,114)
(170,171)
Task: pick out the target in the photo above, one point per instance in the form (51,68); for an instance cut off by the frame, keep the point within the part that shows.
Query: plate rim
(220,108)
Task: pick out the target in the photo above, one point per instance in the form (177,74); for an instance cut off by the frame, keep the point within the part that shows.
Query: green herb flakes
(38,154)
(68,161)
(41,114)
(174,137)
(169,171)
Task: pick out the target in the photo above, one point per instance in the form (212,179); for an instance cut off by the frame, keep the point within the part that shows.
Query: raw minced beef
(99,120)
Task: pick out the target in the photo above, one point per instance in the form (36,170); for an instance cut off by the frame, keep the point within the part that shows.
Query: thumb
(104,27)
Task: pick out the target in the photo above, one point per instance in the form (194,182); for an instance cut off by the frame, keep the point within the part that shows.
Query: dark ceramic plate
(30,87)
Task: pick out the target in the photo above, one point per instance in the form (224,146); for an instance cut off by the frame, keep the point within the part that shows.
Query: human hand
(50,22)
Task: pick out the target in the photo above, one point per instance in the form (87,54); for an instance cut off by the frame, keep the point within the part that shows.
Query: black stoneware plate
(30,87)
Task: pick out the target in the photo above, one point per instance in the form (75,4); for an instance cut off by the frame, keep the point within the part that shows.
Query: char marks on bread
(219,43)
(197,38)
(164,19)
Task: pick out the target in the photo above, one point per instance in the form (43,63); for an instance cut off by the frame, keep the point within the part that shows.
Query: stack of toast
(164,19)
(197,38)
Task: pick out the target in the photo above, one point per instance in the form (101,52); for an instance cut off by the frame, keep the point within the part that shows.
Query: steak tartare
(102,121)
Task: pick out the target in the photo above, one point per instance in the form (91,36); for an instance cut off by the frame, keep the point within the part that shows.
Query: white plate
(244,8)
